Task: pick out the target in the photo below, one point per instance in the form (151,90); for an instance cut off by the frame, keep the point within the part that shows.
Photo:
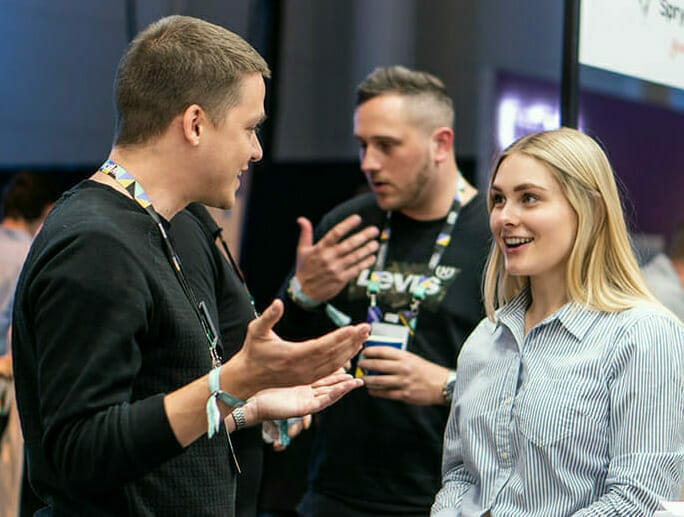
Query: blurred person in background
(26,200)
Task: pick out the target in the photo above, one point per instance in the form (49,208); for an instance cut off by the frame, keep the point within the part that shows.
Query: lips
(516,242)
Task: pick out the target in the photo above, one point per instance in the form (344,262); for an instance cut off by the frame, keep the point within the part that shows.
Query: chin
(388,204)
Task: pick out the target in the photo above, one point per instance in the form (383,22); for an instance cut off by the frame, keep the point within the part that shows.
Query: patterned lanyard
(128,182)
(419,292)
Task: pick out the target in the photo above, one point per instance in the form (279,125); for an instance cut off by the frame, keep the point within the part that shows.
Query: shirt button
(508,401)
(504,456)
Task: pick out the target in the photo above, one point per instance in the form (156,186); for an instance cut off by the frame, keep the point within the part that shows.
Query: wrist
(294,291)
(251,413)
(235,380)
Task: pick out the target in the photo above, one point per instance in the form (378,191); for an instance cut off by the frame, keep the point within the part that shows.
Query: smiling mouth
(516,242)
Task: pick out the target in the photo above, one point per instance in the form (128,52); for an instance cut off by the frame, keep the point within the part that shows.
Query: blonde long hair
(601,272)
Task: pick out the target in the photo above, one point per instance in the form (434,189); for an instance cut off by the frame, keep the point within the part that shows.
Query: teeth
(514,241)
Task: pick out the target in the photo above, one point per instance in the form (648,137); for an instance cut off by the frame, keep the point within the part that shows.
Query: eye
(496,199)
(385,147)
(529,198)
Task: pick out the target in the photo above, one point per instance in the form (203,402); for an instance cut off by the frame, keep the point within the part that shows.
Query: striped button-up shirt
(584,415)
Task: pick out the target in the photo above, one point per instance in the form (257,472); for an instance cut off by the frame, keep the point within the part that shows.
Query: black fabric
(102,330)
(375,454)
(212,278)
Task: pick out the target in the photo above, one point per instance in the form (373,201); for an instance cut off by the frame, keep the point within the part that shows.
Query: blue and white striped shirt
(584,415)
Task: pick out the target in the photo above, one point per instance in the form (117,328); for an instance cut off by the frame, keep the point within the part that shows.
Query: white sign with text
(641,38)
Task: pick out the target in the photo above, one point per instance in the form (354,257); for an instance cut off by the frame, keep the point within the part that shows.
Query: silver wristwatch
(448,388)
(238,415)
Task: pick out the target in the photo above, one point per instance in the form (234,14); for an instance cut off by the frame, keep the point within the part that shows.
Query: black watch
(448,388)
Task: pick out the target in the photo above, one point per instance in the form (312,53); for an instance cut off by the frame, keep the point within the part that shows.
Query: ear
(193,121)
(442,143)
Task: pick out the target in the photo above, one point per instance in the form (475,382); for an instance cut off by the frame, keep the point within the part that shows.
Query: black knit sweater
(102,330)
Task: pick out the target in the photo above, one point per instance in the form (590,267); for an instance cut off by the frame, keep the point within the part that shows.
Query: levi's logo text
(398,280)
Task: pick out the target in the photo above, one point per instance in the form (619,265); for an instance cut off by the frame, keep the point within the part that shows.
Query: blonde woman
(569,397)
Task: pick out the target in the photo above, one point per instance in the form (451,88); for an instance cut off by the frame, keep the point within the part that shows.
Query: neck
(154,173)
(547,298)
(439,198)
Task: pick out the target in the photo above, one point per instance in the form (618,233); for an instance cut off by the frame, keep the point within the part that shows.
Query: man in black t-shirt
(414,271)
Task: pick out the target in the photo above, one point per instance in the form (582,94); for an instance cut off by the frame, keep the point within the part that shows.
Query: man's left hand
(402,375)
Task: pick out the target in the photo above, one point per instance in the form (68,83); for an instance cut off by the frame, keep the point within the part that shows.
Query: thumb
(263,325)
(305,233)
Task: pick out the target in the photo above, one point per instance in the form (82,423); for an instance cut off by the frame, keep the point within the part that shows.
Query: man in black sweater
(119,377)
(378,451)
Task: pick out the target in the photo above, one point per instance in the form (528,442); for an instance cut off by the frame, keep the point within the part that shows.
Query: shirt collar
(575,318)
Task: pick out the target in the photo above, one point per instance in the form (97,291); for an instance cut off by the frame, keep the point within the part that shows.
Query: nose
(257,151)
(505,215)
(369,160)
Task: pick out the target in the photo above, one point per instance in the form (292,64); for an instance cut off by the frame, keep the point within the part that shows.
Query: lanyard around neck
(419,292)
(128,182)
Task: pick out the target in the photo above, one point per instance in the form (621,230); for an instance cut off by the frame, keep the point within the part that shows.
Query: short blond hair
(174,63)
(601,272)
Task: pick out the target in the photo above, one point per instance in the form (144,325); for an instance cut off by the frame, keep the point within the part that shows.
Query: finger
(278,447)
(362,239)
(340,230)
(383,382)
(383,352)
(331,379)
(334,393)
(351,266)
(295,428)
(306,420)
(339,342)
(263,325)
(381,366)
(326,354)
(305,233)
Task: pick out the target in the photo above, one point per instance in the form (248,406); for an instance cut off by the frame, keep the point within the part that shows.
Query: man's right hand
(267,361)
(324,268)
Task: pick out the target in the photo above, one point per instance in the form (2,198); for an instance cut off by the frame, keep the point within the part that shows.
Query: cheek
(494,223)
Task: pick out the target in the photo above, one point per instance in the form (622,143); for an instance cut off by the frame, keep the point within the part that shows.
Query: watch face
(449,387)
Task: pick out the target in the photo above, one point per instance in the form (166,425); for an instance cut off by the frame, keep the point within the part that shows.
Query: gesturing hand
(281,403)
(267,361)
(324,268)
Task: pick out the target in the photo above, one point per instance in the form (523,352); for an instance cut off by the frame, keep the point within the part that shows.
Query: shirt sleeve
(647,419)
(89,306)
(456,480)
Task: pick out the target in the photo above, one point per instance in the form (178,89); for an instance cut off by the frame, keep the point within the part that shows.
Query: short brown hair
(174,63)
(410,83)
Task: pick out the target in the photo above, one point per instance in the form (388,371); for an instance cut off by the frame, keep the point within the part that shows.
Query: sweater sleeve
(90,304)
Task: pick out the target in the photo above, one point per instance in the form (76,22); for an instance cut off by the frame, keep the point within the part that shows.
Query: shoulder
(363,205)
(95,225)
(646,333)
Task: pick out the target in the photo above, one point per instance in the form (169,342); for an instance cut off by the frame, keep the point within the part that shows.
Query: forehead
(250,104)
(385,114)
(518,169)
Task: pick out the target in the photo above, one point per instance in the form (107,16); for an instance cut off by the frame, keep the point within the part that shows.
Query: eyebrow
(378,138)
(522,186)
